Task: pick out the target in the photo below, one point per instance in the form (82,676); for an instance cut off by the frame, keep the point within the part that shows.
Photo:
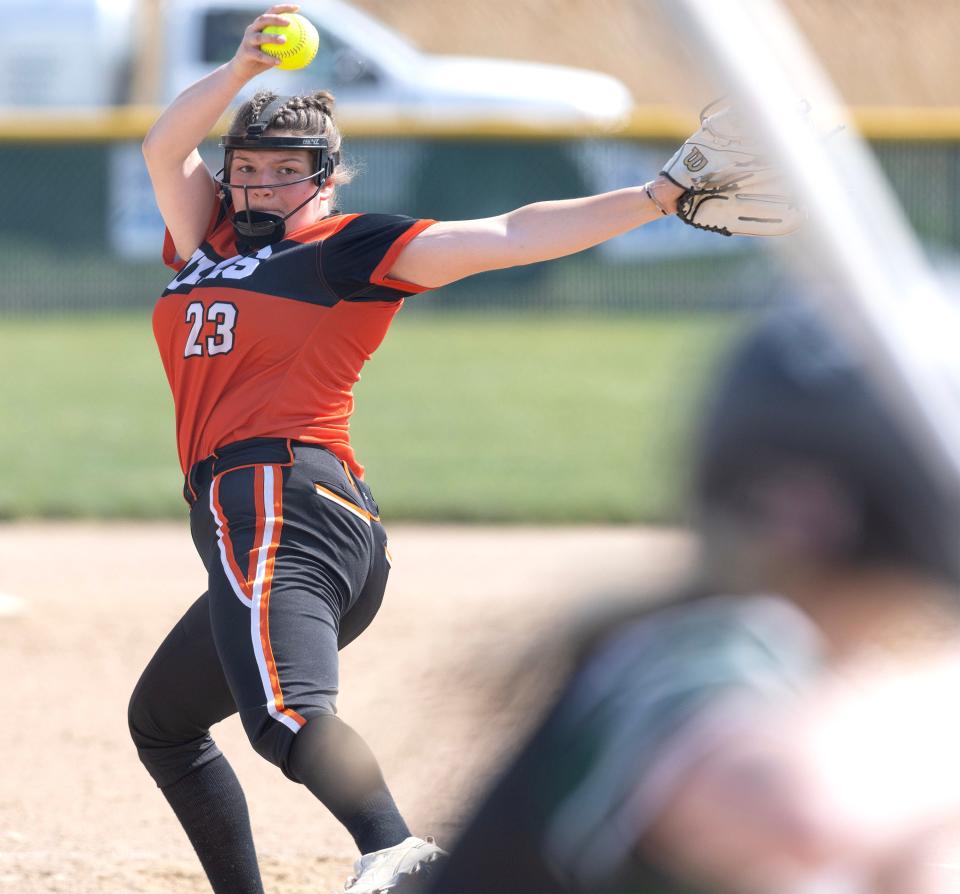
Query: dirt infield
(442,685)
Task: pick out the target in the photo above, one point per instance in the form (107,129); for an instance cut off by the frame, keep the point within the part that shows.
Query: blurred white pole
(888,304)
(147,72)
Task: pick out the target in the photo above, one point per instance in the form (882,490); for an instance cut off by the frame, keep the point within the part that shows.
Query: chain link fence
(81,231)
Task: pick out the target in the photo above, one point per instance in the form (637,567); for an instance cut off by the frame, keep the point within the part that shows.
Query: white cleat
(394,868)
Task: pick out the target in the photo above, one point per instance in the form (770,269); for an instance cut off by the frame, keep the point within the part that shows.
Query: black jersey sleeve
(355,262)
(567,814)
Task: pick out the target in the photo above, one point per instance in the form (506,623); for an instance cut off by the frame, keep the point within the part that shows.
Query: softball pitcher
(276,303)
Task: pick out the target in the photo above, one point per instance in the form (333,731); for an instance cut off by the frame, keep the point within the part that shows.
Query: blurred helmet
(795,439)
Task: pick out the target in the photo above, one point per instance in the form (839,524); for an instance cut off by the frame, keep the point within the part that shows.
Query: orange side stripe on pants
(258,484)
(276,510)
(243,581)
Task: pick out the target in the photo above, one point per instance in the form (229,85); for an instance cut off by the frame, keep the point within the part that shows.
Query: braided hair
(310,114)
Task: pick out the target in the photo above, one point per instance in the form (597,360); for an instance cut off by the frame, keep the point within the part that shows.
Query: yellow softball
(301,45)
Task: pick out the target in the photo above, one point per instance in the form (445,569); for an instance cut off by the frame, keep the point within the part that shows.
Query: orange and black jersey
(271,343)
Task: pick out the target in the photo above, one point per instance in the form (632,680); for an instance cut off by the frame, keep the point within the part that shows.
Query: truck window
(222,32)
(336,64)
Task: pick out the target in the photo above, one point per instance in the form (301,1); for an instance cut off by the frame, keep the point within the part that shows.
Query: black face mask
(256,229)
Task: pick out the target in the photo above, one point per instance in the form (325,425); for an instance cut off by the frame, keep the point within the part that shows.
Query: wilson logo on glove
(731,184)
(695,160)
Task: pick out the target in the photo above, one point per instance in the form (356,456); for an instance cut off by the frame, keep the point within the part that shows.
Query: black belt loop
(251,452)
(198,478)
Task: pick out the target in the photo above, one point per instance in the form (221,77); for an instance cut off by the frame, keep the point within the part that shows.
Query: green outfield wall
(560,392)
(81,231)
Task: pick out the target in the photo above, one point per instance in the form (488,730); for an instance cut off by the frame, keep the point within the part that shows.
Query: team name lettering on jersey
(200,267)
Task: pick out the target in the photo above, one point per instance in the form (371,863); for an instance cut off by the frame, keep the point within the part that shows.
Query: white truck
(96,53)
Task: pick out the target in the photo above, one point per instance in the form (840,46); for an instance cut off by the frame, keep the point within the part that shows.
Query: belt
(251,452)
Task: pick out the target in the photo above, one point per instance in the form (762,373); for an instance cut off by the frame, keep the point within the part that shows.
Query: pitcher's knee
(273,739)
(167,753)
(140,721)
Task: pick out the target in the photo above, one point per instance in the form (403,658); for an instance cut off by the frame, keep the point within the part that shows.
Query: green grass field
(459,417)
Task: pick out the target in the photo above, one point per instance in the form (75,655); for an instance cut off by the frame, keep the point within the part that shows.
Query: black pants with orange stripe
(297,563)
